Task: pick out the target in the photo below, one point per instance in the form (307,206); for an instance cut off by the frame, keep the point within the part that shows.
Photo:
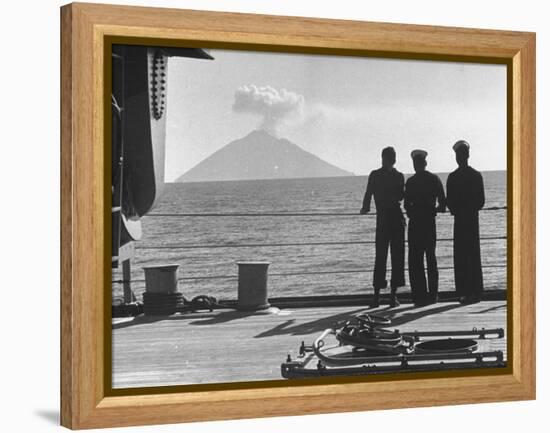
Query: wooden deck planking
(229,346)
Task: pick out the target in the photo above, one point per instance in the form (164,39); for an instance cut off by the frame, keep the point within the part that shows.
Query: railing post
(126,282)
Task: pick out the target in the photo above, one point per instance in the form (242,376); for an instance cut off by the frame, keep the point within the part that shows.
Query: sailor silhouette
(421,192)
(386,185)
(465,197)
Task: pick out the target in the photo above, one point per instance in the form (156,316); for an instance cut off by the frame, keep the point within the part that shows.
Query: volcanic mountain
(259,155)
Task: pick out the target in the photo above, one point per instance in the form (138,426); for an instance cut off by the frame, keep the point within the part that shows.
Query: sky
(342,109)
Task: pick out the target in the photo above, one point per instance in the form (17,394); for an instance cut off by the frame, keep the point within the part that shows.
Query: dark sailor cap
(461,144)
(419,153)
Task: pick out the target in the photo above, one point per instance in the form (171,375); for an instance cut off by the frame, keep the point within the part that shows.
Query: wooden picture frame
(86,401)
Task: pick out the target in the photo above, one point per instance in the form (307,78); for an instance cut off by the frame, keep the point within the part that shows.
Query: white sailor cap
(419,153)
(461,144)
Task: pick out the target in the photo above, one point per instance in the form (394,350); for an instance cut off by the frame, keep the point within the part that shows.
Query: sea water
(207,269)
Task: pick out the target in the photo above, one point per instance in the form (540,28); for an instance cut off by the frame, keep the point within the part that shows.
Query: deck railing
(284,214)
(284,244)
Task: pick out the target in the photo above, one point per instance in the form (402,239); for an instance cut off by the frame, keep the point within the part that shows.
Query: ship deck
(231,346)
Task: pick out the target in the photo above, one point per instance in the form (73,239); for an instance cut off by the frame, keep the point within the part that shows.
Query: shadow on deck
(232,346)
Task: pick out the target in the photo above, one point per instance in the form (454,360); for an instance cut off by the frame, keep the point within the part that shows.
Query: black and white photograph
(290,216)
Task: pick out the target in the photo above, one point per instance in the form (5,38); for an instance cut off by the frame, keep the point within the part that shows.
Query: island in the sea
(260,155)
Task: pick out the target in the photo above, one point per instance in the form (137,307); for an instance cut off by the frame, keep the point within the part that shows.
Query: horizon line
(314,177)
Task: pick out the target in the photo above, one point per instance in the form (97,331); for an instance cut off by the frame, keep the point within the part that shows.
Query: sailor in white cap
(422,190)
(465,197)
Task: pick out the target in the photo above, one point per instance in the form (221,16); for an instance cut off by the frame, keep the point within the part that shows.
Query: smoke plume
(273,106)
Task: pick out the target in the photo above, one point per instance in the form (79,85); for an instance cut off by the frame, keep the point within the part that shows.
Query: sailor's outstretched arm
(368,195)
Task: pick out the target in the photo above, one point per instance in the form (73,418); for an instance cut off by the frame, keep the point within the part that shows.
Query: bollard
(252,288)
(161,296)
(161,278)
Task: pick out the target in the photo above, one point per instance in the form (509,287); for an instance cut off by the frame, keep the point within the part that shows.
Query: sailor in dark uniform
(421,192)
(386,185)
(465,197)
